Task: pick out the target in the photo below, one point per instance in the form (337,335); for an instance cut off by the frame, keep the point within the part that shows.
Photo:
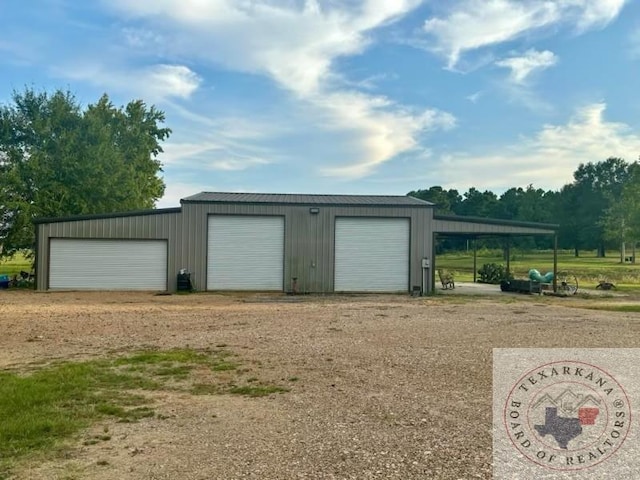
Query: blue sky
(348,96)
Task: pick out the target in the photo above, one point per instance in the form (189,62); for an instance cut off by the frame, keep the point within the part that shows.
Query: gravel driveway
(388,387)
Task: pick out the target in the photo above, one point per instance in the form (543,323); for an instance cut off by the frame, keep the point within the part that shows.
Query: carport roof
(305,199)
(476,226)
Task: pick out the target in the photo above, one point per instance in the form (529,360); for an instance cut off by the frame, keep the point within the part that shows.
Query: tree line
(598,210)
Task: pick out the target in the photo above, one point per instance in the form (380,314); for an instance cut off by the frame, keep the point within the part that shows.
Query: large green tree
(447,201)
(526,204)
(478,204)
(568,203)
(621,220)
(57,158)
(596,187)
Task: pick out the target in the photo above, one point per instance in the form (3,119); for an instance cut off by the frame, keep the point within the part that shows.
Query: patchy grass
(39,409)
(163,357)
(224,366)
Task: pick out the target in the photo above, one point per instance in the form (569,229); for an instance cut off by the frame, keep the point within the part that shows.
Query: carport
(473,228)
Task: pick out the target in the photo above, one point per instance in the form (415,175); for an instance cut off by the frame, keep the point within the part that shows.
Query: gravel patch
(384,387)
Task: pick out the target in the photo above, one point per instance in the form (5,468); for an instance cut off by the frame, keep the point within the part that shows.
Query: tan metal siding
(309,239)
(165,226)
(192,253)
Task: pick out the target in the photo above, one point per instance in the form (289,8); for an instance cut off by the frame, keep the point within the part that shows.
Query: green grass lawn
(588,268)
(15,265)
(40,409)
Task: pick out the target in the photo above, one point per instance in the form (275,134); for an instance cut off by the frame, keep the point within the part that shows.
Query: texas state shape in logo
(567,415)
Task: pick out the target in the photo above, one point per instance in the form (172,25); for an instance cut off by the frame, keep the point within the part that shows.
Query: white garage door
(245,253)
(372,255)
(108,264)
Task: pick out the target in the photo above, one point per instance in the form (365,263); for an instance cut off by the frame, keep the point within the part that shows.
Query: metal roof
(100,216)
(459,224)
(303,199)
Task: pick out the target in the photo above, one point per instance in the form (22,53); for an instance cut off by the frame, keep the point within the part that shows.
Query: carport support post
(508,250)
(432,273)
(35,257)
(475,259)
(555,262)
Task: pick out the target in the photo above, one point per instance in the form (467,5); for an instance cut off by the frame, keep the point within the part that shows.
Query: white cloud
(237,128)
(295,43)
(371,82)
(523,66)
(170,81)
(226,143)
(596,13)
(523,95)
(235,162)
(141,38)
(381,132)
(549,158)
(178,152)
(366,129)
(208,154)
(154,83)
(473,24)
(221,143)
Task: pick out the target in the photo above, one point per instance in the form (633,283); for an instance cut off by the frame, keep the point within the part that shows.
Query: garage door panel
(108,264)
(245,253)
(372,254)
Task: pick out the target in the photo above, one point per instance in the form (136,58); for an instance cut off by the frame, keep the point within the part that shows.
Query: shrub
(493,273)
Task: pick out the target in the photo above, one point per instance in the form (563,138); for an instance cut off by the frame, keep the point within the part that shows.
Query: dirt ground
(389,387)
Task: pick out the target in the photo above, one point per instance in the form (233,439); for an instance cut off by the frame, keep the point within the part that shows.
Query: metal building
(243,241)
(247,241)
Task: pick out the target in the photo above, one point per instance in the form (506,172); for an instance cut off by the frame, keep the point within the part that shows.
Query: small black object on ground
(604,285)
(521,286)
(184,282)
